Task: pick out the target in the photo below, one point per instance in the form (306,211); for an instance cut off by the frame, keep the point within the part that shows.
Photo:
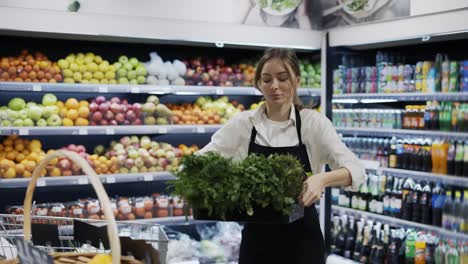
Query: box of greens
(257,189)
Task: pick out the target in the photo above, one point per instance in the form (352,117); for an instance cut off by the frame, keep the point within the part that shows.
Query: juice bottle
(435,149)
(420,249)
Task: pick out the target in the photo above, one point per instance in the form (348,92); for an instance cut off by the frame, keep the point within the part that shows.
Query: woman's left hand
(312,190)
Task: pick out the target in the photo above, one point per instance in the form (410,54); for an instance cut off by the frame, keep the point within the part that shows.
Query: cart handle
(97,185)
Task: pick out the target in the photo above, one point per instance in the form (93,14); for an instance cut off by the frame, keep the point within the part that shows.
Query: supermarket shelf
(401,223)
(81,180)
(379,132)
(333,258)
(408,30)
(366,97)
(143,89)
(146,29)
(109,130)
(419,175)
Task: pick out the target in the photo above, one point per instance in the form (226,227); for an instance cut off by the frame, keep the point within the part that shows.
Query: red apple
(120,118)
(67,173)
(104,122)
(115,107)
(100,99)
(80,148)
(126,123)
(137,108)
(93,107)
(71,147)
(96,117)
(131,116)
(220,61)
(104,107)
(137,122)
(113,123)
(92,123)
(124,102)
(115,100)
(64,164)
(109,115)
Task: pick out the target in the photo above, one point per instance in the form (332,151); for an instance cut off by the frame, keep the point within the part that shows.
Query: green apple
(123,59)
(141,70)
(133,81)
(12,115)
(18,122)
(80,61)
(117,65)
(67,73)
(80,55)
(83,68)
(94,81)
(104,66)
(49,99)
(141,79)
(69,80)
(88,60)
(16,104)
(35,112)
(63,64)
(50,110)
(93,67)
(29,104)
(5,123)
(54,120)
(70,58)
(134,61)
(113,81)
(122,72)
(77,76)
(41,123)
(131,75)
(23,114)
(128,66)
(74,67)
(28,122)
(104,81)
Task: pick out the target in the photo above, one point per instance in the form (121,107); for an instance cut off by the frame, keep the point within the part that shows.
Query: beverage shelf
(366,97)
(380,132)
(143,89)
(400,222)
(82,180)
(109,130)
(426,176)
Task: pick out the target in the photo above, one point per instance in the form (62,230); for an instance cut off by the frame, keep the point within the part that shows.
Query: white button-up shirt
(324,146)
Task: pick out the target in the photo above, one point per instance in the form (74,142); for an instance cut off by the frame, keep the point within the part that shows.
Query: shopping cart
(19,226)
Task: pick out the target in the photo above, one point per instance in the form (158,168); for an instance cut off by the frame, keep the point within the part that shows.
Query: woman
(282,126)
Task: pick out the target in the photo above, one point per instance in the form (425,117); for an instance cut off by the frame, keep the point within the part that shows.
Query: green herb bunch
(220,185)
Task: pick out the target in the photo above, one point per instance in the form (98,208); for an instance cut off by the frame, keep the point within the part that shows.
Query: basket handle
(97,185)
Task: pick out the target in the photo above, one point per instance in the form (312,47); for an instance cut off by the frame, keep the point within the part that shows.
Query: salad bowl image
(277,12)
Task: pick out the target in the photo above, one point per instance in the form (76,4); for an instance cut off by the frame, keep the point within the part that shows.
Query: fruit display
(164,72)
(130,71)
(19,113)
(74,112)
(19,157)
(124,208)
(205,111)
(256,105)
(87,68)
(63,166)
(310,74)
(155,113)
(216,73)
(114,112)
(29,68)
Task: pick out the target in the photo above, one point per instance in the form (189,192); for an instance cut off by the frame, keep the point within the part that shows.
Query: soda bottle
(359,241)
(420,249)
(445,74)
(452,255)
(407,206)
(459,156)
(426,204)
(415,194)
(464,209)
(438,200)
(440,253)
(457,214)
(427,115)
(435,116)
(410,252)
(438,72)
(451,158)
(447,217)
(461,113)
(430,248)
(464,254)
(427,159)
(454,119)
(453,82)
(465,160)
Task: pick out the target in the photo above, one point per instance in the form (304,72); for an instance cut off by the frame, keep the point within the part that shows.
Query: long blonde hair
(290,61)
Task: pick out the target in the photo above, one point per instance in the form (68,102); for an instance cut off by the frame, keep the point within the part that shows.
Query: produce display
(29,68)
(310,74)
(124,208)
(155,113)
(130,71)
(205,111)
(87,68)
(217,185)
(114,112)
(164,72)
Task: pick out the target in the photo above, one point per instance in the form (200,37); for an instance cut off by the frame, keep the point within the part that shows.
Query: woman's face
(276,84)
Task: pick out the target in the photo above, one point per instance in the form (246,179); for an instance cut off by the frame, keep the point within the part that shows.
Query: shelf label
(148,177)
(83,180)
(110,179)
(110,131)
(41,183)
(162,130)
(82,131)
(103,89)
(200,129)
(36,88)
(219,91)
(135,89)
(23,132)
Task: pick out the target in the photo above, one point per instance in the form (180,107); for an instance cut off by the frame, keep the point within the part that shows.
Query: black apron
(299,242)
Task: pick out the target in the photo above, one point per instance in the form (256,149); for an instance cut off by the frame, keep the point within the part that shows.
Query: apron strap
(253,135)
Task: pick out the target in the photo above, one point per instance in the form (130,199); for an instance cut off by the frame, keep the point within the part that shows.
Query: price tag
(82,131)
(83,180)
(219,91)
(36,88)
(110,179)
(110,131)
(41,183)
(23,131)
(200,129)
(148,177)
(162,130)
(78,211)
(103,89)
(135,89)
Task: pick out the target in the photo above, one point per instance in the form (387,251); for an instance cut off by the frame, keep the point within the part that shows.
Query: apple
(170,155)
(129,163)
(126,123)
(104,107)
(133,154)
(131,75)
(152,99)
(104,122)
(115,107)
(28,122)
(100,99)
(134,170)
(141,79)
(134,140)
(125,141)
(23,114)
(160,153)
(134,62)
(119,117)
(127,66)
(114,123)
(163,162)
(150,120)
(17,104)
(35,112)
(93,107)
(41,123)
(50,110)
(123,59)
(131,116)
(149,108)
(18,123)
(54,120)
(141,70)
(5,123)
(123,80)
(139,162)
(137,108)
(124,170)
(96,116)
(137,122)
(64,164)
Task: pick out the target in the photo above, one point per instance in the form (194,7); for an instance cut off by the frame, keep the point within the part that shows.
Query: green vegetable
(278,5)
(358,5)
(220,186)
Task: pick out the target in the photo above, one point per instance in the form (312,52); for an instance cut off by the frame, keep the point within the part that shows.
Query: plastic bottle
(430,248)
(445,74)
(438,200)
(440,253)
(447,217)
(457,214)
(464,223)
(420,249)
(451,158)
(438,72)
(459,156)
(426,204)
(453,82)
(443,157)
(435,150)
(410,247)
(464,254)
(452,255)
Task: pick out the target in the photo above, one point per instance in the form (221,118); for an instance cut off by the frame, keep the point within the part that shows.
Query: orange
(19,169)
(72,114)
(72,103)
(27,174)
(30,165)
(9,173)
(81,122)
(84,103)
(83,112)
(55,172)
(12,155)
(8,149)
(60,104)
(63,112)
(67,122)
(8,142)
(20,157)
(19,147)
